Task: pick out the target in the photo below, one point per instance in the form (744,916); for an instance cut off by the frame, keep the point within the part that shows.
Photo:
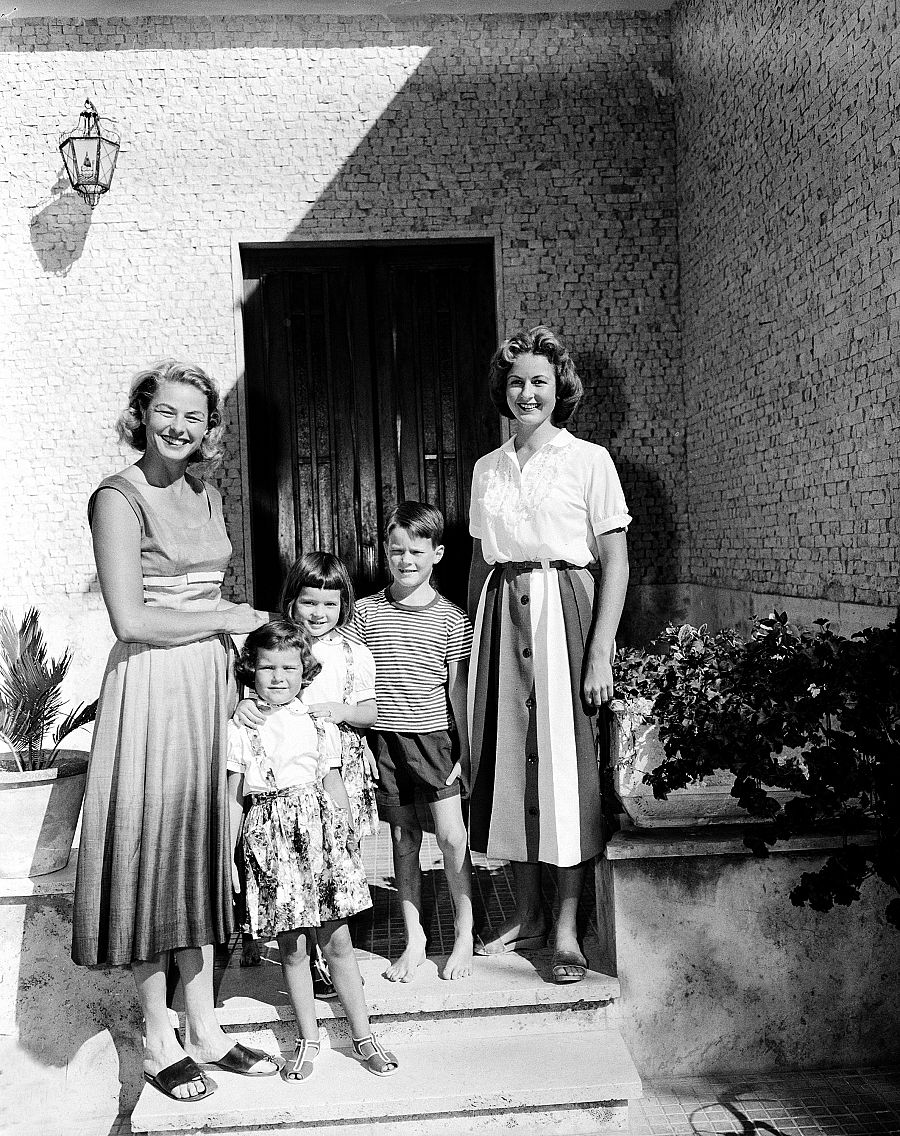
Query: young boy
(421,643)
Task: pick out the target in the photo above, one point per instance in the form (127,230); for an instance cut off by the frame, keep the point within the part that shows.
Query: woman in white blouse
(546,589)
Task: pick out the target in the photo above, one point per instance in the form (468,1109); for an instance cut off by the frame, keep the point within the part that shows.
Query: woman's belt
(533,565)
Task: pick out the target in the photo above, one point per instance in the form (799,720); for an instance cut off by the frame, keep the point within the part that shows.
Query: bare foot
(459,961)
(513,934)
(408,963)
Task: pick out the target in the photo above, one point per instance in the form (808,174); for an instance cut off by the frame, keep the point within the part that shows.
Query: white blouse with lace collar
(567,495)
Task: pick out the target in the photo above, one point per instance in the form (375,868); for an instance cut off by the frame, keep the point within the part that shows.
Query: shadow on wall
(82,1025)
(60,228)
(428,167)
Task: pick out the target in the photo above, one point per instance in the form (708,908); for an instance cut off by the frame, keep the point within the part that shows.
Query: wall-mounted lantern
(89,156)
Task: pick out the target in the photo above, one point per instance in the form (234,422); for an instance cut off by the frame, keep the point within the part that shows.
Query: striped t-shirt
(412,647)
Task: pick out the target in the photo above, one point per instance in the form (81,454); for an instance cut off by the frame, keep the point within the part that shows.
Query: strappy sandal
(376,1059)
(300,1066)
(323,987)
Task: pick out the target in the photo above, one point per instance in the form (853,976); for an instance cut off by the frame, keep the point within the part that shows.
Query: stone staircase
(504,1051)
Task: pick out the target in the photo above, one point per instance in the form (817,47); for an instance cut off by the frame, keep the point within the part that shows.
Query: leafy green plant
(805,710)
(31,694)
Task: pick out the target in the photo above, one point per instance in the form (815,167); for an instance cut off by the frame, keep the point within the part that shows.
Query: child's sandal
(300,1066)
(374,1056)
(323,987)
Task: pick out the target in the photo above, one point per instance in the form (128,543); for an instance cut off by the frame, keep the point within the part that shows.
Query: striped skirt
(535,784)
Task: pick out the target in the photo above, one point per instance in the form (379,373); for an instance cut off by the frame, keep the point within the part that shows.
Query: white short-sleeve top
(331,683)
(567,495)
(291,746)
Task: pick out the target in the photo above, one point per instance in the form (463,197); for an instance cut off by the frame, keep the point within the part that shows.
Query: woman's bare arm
(598,680)
(117,552)
(479,571)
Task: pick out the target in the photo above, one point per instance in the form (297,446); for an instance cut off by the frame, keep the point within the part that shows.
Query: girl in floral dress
(304,877)
(318,594)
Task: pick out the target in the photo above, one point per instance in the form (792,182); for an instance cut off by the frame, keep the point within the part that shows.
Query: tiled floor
(863,1102)
(380,930)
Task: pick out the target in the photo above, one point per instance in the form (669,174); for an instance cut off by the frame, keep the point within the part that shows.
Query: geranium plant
(804,710)
(31,694)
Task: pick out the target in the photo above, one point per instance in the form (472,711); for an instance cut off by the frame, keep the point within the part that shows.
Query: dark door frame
(244,250)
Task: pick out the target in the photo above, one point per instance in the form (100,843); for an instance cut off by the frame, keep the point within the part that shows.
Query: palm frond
(9,641)
(30,682)
(74,720)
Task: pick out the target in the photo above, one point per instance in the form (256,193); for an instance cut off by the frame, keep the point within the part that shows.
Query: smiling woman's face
(176,421)
(531,389)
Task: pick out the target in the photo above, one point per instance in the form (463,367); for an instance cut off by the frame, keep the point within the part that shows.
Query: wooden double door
(366,385)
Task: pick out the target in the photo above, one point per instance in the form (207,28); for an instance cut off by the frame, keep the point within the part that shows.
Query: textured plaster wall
(789,229)
(553,134)
(720,972)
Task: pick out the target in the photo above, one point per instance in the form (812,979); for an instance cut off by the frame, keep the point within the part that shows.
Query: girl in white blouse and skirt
(546,589)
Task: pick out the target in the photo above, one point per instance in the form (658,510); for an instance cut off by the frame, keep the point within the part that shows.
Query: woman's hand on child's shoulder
(248,714)
(328,711)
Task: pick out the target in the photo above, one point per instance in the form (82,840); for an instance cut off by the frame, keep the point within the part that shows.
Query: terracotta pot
(636,750)
(39,814)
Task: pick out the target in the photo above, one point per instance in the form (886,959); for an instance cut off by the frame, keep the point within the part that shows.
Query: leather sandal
(183,1072)
(568,966)
(301,1065)
(241,1059)
(376,1058)
(508,946)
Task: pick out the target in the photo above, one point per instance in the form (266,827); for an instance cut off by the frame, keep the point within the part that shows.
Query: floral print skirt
(300,871)
(358,779)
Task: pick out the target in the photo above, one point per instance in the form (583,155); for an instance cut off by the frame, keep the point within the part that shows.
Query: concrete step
(539,1082)
(511,984)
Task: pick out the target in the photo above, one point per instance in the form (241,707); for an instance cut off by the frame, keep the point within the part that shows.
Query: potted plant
(41,787)
(807,725)
(684,668)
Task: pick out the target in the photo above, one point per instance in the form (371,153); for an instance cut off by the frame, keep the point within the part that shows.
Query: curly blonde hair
(130,425)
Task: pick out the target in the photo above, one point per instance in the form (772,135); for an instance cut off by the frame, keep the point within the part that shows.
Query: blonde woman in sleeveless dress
(154,865)
(548,518)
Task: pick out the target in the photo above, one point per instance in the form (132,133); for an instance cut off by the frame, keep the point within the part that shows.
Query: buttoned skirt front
(535,783)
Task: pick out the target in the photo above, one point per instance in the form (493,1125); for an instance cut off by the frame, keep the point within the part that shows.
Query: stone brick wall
(789,226)
(555,134)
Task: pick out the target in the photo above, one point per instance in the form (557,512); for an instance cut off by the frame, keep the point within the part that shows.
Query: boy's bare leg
(406,840)
(452,839)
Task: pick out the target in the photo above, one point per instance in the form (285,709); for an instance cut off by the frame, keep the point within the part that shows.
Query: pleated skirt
(535,784)
(154,863)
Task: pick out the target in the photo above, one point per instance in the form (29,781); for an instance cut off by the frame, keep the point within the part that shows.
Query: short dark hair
(130,425)
(424,521)
(278,635)
(318,570)
(538,340)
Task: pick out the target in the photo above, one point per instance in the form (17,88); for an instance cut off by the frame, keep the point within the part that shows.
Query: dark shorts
(412,766)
